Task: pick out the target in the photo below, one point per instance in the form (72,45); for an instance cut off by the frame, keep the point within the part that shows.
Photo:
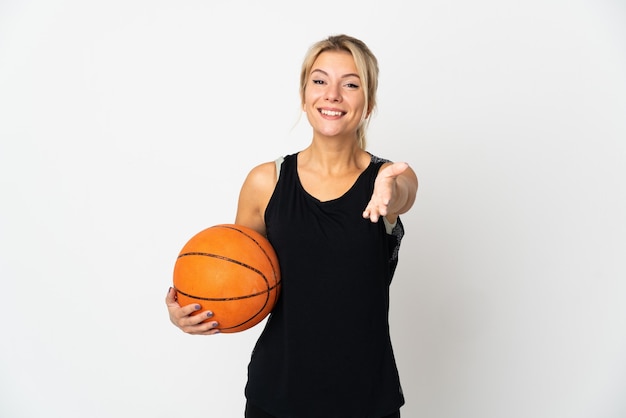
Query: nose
(333,93)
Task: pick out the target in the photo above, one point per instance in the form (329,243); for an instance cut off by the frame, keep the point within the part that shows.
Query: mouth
(331,113)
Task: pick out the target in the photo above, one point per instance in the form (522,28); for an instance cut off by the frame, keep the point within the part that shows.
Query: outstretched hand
(385,195)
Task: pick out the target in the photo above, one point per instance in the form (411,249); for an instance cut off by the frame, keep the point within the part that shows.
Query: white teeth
(330,113)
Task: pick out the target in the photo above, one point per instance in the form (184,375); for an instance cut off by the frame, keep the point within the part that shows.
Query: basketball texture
(231,270)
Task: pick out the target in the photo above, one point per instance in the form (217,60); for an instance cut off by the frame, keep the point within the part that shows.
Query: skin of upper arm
(254,196)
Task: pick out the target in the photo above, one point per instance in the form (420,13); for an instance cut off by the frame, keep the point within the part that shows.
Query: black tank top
(325,351)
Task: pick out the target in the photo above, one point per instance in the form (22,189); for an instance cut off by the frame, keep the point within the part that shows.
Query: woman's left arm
(394,192)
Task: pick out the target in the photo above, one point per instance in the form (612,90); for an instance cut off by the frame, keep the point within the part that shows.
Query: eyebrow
(343,76)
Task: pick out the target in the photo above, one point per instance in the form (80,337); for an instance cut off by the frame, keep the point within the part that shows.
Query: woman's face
(333,98)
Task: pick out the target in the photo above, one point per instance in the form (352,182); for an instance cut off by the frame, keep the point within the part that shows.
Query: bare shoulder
(262,176)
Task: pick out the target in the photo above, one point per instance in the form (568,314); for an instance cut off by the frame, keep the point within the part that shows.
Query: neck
(332,155)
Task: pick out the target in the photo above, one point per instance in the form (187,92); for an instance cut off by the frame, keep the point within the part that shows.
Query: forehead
(335,61)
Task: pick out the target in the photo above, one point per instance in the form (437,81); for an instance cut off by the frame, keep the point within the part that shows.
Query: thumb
(170,299)
(395,169)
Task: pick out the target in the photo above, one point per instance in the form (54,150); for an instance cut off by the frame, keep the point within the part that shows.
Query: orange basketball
(232,271)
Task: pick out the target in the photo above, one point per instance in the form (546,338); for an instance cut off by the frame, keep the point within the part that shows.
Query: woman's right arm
(254,196)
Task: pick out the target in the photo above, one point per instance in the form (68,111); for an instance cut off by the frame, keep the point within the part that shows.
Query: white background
(127,126)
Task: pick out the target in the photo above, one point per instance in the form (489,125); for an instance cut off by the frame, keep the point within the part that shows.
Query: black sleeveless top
(325,351)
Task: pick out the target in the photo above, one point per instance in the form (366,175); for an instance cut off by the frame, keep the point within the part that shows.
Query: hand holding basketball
(191,324)
(231,272)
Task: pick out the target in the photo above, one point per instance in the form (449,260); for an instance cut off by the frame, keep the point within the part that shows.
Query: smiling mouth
(331,112)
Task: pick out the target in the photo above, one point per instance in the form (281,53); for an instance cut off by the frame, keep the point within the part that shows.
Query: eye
(352,86)
(319,82)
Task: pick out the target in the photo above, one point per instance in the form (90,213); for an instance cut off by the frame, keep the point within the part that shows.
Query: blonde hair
(366,64)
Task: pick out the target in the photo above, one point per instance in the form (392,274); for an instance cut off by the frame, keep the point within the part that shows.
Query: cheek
(312,96)
(307,100)
(309,103)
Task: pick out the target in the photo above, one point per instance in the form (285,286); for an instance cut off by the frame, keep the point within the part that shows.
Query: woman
(331,213)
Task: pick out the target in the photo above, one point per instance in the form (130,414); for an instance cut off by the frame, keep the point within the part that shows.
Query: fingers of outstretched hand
(182,317)
(375,209)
